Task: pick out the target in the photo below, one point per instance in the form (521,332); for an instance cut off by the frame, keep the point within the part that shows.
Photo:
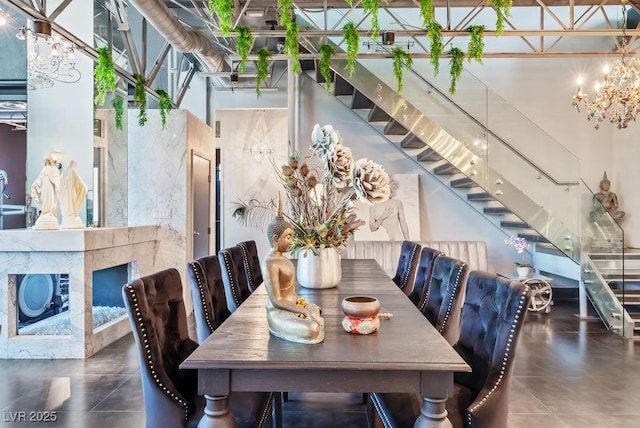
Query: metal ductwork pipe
(167,24)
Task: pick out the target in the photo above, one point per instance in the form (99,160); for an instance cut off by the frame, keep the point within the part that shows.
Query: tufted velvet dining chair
(207,292)
(423,275)
(492,317)
(251,264)
(443,301)
(234,277)
(156,311)
(407,263)
(159,322)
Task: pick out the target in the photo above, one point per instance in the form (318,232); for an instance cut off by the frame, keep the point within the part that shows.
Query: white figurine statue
(44,192)
(72,195)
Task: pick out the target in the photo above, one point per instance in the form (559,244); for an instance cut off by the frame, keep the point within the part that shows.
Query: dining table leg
(433,414)
(217,413)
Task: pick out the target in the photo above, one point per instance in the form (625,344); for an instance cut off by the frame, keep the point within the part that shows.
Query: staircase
(554,218)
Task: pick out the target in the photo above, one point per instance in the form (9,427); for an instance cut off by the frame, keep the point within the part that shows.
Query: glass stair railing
(502,171)
(604,267)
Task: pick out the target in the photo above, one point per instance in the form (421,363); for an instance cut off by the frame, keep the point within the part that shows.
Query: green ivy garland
(164,105)
(503,9)
(104,75)
(476,43)
(284,8)
(243,44)
(371,6)
(426,11)
(434,32)
(401,62)
(326,51)
(263,69)
(140,98)
(352,40)
(292,47)
(455,68)
(224,10)
(118,105)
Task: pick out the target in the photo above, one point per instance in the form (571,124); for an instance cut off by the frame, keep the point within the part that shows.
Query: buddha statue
(607,200)
(289,316)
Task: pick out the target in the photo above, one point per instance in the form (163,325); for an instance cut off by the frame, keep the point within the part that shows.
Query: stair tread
(465,182)
(497,210)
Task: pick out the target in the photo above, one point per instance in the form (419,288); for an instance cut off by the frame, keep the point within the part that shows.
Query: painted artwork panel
(396,219)
(251,142)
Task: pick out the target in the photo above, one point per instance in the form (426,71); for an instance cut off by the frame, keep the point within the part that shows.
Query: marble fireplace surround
(77,253)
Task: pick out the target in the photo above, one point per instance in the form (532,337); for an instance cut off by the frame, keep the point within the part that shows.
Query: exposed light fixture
(259,148)
(388,40)
(50,58)
(4,18)
(617,95)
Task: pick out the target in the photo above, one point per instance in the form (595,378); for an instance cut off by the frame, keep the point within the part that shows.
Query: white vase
(523,271)
(319,271)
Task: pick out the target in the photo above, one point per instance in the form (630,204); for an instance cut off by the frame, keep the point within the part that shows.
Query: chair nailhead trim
(245,261)
(205,304)
(453,296)
(504,360)
(228,266)
(408,268)
(140,326)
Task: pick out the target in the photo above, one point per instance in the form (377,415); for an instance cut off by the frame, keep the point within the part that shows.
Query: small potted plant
(520,245)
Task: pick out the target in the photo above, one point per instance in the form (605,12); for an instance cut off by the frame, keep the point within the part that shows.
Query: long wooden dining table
(406,354)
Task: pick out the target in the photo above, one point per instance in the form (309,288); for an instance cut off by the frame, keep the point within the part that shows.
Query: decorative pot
(523,271)
(319,271)
(360,306)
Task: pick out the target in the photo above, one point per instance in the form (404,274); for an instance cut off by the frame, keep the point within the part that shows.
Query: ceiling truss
(552,22)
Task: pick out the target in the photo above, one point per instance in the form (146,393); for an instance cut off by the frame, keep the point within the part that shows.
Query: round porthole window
(34,294)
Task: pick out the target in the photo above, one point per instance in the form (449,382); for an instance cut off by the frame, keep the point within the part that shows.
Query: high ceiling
(535,28)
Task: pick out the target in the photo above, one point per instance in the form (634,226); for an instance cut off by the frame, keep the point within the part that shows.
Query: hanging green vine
(284,8)
(352,40)
(455,68)
(104,75)
(426,11)
(476,43)
(371,6)
(140,98)
(243,45)
(326,51)
(224,10)
(164,105)
(503,10)
(263,69)
(292,47)
(434,32)
(401,62)
(350,3)
(118,105)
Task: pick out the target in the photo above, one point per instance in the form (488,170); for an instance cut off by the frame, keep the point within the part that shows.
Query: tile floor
(569,373)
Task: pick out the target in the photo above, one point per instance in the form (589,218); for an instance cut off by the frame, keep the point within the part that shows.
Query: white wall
(159,183)
(61,118)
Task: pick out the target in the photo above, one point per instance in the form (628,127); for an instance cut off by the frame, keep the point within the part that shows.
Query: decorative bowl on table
(361,314)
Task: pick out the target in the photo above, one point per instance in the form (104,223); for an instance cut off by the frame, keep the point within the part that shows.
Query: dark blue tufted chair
(234,277)
(407,263)
(251,264)
(423,275)
(445,294)
(207,292)
(159,322)
(492,317)
(156,311)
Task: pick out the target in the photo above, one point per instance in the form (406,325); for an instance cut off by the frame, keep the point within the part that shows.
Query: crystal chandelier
(49,58)
(617,96)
